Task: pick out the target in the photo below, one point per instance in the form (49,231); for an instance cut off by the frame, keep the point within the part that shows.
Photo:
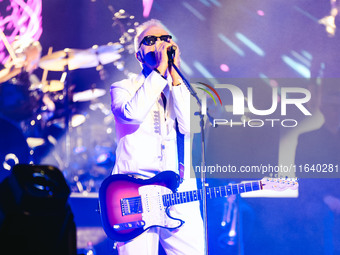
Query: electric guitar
(129,206)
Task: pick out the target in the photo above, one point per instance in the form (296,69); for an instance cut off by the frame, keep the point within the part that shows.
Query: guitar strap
(180,144)
(180,152)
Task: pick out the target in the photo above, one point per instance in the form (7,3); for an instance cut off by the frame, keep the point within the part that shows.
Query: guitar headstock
(279,184)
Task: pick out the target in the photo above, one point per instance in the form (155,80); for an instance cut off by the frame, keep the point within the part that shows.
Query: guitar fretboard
(215,192)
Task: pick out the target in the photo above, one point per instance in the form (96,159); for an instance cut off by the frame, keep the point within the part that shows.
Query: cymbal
(54,86)
(48,86)
(34,141)
(106,54)
(88,95)
(73,58)
(75,120)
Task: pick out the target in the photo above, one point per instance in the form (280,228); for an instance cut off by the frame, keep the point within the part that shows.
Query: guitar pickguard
(154,212)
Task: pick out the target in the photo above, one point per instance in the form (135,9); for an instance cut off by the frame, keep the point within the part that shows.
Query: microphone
(171,53)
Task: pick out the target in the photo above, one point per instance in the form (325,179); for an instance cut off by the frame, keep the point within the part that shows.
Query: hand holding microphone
(171,51)
(167,54)
(173,59)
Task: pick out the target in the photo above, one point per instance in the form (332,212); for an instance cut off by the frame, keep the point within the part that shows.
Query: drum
(13,147)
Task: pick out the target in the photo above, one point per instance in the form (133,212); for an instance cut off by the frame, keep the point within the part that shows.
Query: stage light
(194,11)
(205,72)
(10,160)
(21,19)
(260,13)
(224,68)
(250,44)
(273,83)
(232,45)
(300,68)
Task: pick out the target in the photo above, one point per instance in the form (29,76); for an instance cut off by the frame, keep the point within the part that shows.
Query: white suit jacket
(145,131)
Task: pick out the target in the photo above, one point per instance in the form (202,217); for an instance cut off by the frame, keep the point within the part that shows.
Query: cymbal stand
(100,67)
(67,113)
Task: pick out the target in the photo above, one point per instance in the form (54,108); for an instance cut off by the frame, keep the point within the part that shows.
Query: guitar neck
(214,192)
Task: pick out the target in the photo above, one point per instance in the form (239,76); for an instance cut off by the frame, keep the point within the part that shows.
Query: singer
(150,109)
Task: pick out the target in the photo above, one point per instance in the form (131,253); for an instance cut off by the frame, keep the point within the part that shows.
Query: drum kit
(45,111)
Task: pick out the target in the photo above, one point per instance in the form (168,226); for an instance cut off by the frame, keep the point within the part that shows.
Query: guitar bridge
(131,205)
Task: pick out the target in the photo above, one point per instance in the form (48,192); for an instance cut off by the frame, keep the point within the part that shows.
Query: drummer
(17,102)
(28,55)
(16,76)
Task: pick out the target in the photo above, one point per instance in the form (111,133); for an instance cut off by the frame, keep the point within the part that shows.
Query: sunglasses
(151,39)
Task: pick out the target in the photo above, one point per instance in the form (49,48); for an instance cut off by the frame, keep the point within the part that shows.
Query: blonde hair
(143,27)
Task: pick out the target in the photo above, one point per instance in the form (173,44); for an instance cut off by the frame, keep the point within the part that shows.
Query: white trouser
(186,240)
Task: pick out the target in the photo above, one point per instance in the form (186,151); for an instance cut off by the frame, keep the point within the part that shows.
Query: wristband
(180,81)
(177,84)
